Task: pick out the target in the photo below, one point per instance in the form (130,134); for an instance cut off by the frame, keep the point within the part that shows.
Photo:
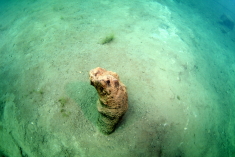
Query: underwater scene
(117,78)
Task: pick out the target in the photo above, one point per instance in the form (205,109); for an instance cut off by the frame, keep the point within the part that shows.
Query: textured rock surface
(112,103)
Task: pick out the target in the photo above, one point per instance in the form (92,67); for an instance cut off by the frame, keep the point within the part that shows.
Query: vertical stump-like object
(113,100)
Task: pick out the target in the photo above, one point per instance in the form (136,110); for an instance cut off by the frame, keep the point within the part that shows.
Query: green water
(176,58)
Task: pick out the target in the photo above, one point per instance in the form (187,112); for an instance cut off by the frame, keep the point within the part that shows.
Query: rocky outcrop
(113,100)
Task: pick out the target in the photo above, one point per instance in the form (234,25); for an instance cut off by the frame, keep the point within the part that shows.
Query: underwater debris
(107,39)
(112,103)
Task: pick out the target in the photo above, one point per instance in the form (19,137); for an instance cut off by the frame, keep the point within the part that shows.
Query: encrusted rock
(113,100)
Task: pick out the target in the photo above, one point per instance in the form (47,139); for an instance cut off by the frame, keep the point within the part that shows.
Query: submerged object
(113,100)
(226,21)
